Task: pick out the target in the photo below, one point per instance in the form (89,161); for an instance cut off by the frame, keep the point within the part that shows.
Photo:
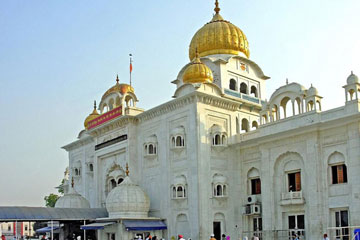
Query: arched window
(219,190)
(120,180)
(223,139)
(173,141)
(310,105)
(254,125)
(318,105)
(253,91)
(91,167)
(244,125)
(151,149)
(179,191)
(112,184)
(179,141)
(174,192)
(243,88)
(237,125)
(216,139)
(232,84)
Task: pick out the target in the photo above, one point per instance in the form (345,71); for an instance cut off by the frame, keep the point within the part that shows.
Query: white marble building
(220,159)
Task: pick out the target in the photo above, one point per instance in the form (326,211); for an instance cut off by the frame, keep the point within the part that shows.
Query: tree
(51,200)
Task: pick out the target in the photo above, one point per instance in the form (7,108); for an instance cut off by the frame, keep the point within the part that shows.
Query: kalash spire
(219,36)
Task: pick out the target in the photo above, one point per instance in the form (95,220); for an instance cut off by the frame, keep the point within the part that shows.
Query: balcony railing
(288,234)
(288,198)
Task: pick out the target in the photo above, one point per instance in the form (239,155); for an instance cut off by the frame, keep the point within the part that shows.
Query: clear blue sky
(56,57)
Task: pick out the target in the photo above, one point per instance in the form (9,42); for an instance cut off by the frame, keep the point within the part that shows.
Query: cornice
(113,124)
(78,143)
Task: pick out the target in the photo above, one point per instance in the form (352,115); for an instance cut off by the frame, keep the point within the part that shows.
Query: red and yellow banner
(105,117)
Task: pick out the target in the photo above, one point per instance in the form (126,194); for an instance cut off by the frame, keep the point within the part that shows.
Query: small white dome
(72,200)
(127,200)
(352,78)
(312,91)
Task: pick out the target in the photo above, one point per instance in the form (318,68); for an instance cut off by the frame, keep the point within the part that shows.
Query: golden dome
(118,87)
(91,116)
(219,37)
(197,72)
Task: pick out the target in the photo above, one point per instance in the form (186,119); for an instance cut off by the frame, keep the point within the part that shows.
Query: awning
(134,225)
(95,226)
(46,229)
(9,214)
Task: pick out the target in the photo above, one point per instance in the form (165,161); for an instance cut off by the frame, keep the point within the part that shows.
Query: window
(339,174)
(150,149)
(26,227)
(178,141)
(294,180)
(179,191)
(243,88)
(342,222)
(296,225)
(255,186)
(257,224)
(120,180)
(9,227)
(113,184)
(220,190)
(76,172)
(91,167)
(253,91)
(232,84)
(219,139)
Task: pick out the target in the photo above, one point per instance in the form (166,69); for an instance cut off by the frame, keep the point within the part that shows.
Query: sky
(57,57)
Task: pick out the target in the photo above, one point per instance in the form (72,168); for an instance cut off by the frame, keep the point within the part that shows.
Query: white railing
(291,195)
(343,233)
(288,234)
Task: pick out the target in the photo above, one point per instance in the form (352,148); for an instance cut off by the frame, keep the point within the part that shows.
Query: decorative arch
(182,225)
(232,84)
(243,88)
(254,91)
(244,125)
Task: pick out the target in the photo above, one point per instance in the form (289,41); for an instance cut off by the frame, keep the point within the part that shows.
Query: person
(181,237)
(3,237)
(326,236)
(223,237)
(212,237)
(43,237)
(227,237)
(255,237)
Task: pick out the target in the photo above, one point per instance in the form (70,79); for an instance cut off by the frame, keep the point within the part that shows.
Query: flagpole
(130,55)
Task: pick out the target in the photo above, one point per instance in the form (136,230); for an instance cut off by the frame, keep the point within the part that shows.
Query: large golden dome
(91,116)
(218,37)
(197,72)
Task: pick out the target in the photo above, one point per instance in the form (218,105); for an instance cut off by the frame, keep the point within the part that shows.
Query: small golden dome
(91,116)
(219,37)
(118,87)
(197,72)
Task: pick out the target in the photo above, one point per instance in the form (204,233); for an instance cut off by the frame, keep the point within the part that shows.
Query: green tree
(51,200)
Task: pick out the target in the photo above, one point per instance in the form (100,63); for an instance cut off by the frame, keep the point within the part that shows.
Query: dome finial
(127,169)
(352,73)
(287,81)
(94,104)
(117,78)
(217,9)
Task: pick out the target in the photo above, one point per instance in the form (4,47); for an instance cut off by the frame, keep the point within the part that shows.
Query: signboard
(105,117)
